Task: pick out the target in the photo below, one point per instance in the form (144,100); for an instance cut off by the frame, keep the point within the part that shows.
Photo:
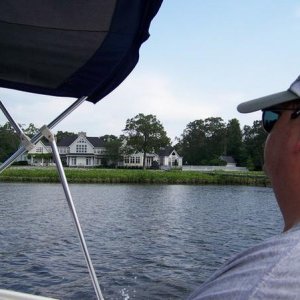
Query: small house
(169,158)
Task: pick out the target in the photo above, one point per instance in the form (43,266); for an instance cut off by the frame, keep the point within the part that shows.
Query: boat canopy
(82,49)
(71,48)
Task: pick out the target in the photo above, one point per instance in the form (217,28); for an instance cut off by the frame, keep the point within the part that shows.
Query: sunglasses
(270,117)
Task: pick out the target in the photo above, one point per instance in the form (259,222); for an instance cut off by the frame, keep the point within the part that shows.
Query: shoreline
(84,175)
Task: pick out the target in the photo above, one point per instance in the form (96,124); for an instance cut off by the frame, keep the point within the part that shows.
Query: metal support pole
(10,119)
(47,133)
(27,144)
(38,136)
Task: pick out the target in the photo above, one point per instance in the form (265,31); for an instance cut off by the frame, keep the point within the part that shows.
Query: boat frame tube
(27,145)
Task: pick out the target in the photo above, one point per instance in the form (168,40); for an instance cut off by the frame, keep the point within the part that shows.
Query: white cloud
(142,92)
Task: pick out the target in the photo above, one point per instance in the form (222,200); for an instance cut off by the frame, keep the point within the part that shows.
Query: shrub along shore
(30,174)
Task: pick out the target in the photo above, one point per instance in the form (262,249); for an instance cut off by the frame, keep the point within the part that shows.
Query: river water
(145,241)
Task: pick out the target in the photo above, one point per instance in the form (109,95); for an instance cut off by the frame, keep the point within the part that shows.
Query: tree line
(202,142)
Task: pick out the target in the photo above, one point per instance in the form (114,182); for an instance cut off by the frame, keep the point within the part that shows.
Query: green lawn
(29,174)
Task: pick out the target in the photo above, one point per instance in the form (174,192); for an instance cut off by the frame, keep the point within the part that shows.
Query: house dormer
(81,145)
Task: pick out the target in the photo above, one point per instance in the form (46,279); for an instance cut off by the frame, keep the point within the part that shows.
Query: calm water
(146,241)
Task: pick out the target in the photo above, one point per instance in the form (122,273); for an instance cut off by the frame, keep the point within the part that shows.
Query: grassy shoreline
(48,175)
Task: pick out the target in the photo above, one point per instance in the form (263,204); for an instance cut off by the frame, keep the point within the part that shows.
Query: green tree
(145,133)
(191,142)
(202,141)
(234,140)
(254,139)
(215,132)
(113,147)
(31,130)
(60,135)
(9,141)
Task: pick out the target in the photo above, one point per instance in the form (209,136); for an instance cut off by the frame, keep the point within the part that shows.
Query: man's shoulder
(267,250)
(264,270)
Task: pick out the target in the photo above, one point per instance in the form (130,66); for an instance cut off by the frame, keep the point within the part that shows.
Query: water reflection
(146,241)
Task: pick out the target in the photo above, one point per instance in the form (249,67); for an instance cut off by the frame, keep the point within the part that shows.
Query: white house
(40,155)
(137,159)
(83,151)
(167,158)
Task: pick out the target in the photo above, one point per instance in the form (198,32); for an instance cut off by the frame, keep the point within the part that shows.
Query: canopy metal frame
(28,144)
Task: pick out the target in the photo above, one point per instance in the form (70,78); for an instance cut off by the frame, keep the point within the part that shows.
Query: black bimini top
(71,48)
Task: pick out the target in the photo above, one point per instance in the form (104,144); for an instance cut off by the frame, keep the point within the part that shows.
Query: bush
(20,163)
(155,165)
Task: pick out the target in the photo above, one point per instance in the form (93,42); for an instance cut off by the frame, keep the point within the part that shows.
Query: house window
(149,161)
(100,151)
(39,150)
(88,161)
(137,160)
(81,148)
(132,160)
(126,160)
(73,161)
(81,141)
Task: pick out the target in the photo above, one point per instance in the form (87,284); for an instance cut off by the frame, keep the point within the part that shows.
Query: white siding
(39,149)
(136,160)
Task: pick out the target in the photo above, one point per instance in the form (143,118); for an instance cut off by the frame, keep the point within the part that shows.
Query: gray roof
(96,142)
(67,141)
(165,151)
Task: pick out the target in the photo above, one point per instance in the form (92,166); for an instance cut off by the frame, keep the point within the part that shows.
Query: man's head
(281,119)
(274,108)
(273,105)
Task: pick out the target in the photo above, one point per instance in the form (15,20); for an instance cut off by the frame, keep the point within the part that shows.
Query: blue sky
(202,59)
